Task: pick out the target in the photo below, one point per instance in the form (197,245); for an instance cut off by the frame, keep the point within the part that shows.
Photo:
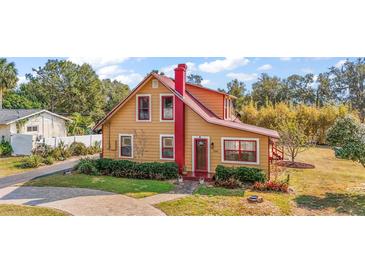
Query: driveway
(78,201)
(41,171)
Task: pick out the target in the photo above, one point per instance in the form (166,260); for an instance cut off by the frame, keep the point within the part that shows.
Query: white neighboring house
(39,123)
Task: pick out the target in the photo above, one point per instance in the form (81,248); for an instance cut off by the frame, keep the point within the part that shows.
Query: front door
(201,155)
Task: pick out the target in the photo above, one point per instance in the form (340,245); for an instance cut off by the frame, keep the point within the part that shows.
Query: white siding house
(35,122)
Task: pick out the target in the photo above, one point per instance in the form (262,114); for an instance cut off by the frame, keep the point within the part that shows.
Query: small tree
(140,143)
(344,130)
(293,138)
(348,134)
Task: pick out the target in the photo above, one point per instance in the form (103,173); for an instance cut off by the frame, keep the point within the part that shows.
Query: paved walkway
(78,201)
(42,171)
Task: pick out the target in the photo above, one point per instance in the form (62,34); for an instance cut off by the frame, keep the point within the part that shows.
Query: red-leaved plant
(271,186)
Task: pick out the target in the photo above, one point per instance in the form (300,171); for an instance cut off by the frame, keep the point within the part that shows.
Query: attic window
(154,83)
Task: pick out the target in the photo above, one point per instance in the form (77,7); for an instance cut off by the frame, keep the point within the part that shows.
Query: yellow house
(166,119)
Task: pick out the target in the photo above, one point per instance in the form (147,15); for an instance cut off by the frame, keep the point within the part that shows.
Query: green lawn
(131,187)
(22,210)
(218,191)
(334,187)
(8,166)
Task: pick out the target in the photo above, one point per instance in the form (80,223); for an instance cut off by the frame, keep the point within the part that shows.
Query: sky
(216,71)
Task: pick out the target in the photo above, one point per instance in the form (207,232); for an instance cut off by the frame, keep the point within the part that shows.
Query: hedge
(242,174)
(129,169)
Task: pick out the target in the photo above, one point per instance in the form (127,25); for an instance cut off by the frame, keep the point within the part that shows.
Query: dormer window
(227,108)
(144,108)
(167,107)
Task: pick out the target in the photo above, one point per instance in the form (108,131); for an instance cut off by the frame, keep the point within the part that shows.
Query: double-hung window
(240,150)
(144,108)
(167,107)
(167,147)
(126,145)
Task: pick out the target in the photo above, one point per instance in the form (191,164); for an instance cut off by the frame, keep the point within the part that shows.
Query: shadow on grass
(352,204)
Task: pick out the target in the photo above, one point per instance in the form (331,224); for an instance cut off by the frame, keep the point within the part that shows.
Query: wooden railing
(277,153)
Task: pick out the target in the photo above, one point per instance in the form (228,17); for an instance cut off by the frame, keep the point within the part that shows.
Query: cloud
(97,62)
(243,76)
(169,70)
(340,63)
(130,78)
(265,67)
(205,82)
(22,79)
(285,58)
(109,71)
(225,64)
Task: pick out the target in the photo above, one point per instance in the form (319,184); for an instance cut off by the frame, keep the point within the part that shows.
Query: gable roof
(187,84)
(8,116)
(195,105)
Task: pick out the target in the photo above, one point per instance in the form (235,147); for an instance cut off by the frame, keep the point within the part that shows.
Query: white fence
(22,144)
(87,140)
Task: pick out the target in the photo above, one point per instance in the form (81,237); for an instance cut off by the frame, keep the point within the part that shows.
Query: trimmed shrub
(249,174)
(87,166)
(78,148)
(129,169)
(31,161)
(230,176)
(5,148)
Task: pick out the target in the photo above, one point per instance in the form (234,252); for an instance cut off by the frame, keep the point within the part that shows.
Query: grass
(202,205)
(334,187)
(218,191)
(131,187)
(8,166)
(22,210)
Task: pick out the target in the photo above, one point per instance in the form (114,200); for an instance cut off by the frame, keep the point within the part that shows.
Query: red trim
(206,155)
(179,115)
(240,150)
(166,148)
(140,108)
(163,98)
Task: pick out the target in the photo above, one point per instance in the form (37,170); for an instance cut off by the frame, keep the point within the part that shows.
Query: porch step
(195,176)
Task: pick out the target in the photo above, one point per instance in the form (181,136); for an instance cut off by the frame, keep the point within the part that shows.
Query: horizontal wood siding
(124,121)
(211,100)
(196,126)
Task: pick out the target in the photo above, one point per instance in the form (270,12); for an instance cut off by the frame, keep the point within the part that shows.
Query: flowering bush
(271,186)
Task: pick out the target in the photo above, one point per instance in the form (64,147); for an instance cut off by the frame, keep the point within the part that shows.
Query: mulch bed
(290,164)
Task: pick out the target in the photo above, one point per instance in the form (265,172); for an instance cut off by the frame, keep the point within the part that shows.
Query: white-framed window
(126,145)
(227,108)
(32,128)
(143,108)
(167,147)
(240,150)
(154,83)
(167,104)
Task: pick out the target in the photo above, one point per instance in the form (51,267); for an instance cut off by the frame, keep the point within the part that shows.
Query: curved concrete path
(78,201)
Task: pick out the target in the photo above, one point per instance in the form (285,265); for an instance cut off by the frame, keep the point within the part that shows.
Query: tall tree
(113,92)
(266,90)
(237,89)
(195,79)
(8,77)
(64,87)
(324,93)
(349,82)
(297,89)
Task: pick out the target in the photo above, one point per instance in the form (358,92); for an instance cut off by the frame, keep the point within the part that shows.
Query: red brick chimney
(180,79)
